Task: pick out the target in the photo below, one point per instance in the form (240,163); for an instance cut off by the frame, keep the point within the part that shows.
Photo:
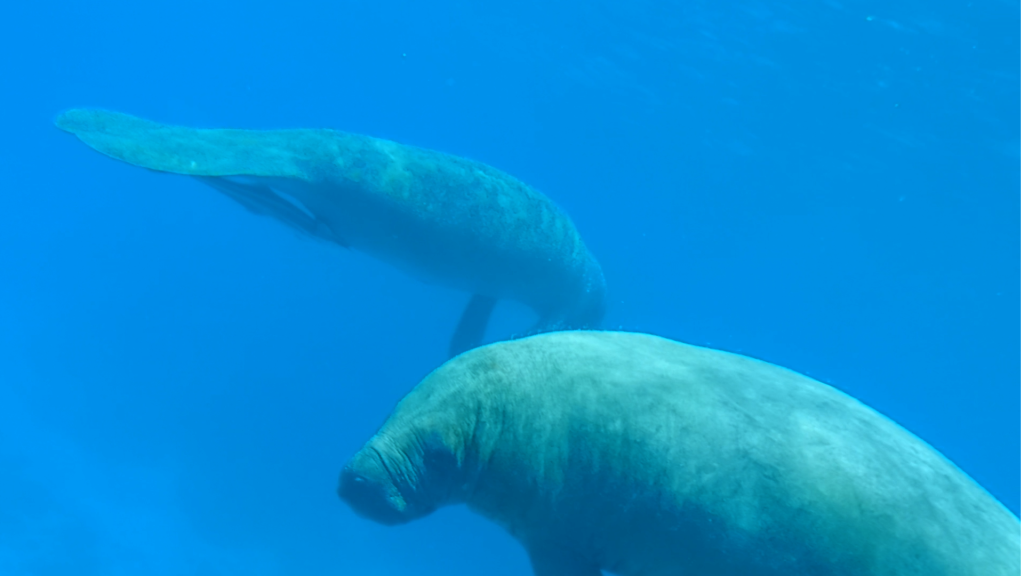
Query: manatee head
(412,466)
(368,487)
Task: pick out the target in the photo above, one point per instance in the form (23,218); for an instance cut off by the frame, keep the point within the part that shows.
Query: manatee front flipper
(472,325)
(262,200)
(556,561)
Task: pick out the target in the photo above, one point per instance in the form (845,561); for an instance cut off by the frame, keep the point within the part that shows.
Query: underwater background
(828,185)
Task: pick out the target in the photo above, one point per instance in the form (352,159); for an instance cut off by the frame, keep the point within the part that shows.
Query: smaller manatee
(641,456)
(442,218)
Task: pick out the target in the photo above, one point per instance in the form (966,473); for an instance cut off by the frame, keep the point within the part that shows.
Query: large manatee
(443,218)
(641,456)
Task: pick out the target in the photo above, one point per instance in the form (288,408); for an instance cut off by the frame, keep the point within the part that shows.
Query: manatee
(641,456)
(445,219)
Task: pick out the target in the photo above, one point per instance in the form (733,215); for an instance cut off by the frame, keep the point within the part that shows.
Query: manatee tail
(194,151)
(214,156)
(470,331)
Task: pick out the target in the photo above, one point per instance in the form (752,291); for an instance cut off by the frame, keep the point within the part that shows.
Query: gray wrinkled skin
(642,456)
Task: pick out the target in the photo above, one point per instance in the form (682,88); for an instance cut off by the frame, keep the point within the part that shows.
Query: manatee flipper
(198,151)
(472,325)
(264,201)
(216,157)
(555,561)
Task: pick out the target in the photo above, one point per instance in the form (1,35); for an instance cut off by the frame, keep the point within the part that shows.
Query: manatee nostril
(372,499)
(355,486)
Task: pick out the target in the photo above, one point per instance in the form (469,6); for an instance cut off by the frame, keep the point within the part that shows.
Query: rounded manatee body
(443,218)
(641,456)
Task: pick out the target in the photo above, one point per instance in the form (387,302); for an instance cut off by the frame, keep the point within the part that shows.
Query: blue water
(832,186)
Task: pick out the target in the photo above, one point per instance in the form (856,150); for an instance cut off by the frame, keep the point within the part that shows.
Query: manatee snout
(368,489)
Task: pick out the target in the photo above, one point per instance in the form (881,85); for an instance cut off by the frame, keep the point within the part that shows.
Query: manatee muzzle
(367,487)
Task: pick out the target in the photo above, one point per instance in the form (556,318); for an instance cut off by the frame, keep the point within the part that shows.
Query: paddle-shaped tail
(217,157)
(204,152)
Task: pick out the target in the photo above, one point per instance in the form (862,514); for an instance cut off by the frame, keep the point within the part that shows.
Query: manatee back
(652,457)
